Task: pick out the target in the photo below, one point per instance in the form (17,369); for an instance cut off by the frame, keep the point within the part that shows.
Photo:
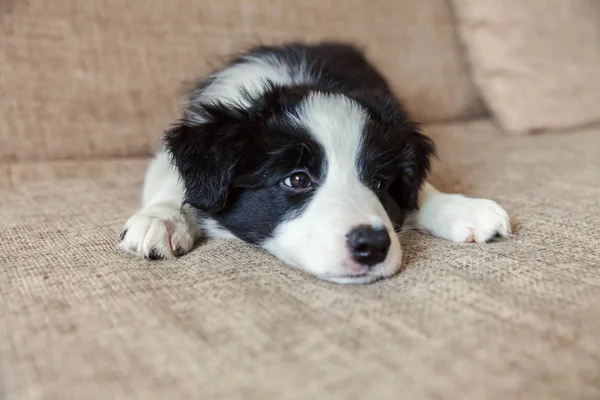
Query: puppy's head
(321,180)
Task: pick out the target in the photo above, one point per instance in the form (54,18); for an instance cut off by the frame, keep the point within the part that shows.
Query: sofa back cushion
(537,62)
(103,79)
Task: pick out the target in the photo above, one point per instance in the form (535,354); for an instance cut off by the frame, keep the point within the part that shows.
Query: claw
(179,252)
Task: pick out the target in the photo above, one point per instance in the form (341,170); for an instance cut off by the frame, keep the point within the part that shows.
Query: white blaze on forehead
(337,123)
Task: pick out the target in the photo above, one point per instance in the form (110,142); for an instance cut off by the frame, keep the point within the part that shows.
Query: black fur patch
(234,164)
(396,153)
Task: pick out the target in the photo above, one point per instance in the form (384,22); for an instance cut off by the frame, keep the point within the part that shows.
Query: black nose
(368,245)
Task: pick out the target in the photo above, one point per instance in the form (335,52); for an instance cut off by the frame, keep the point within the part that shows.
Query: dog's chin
(352,273)
(353,279)
(362,278)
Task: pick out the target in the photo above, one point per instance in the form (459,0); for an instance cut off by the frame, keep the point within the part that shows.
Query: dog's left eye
(376,183)
(298,181)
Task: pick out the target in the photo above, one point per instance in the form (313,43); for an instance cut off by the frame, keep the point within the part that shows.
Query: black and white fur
(303,151)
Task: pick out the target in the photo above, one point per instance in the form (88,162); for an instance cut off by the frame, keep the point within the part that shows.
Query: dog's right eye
(298,181)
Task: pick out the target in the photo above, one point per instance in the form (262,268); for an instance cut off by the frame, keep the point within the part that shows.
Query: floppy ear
(415,153)
(413,168)
(207,154)
(215,141)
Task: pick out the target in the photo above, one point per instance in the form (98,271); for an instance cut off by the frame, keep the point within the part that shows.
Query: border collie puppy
(304,151)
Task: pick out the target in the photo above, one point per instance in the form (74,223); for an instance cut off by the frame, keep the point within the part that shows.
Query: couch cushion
(85,78)
(514,319)
(537,62)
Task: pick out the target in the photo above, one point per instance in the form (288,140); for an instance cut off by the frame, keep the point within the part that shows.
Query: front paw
(158,232)
(462,219)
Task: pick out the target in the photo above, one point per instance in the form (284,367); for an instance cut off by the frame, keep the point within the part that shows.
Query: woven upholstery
(508,320)
(96,79)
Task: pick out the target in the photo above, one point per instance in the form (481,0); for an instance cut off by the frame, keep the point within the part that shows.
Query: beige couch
(87,87)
